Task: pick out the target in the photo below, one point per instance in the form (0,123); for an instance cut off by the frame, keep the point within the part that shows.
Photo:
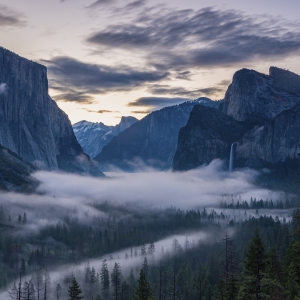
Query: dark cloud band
(205,38)
(70,76)
(9,17)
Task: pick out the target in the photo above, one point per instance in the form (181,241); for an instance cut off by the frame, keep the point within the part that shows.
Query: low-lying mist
(146,199)
(197,188)
(63,194)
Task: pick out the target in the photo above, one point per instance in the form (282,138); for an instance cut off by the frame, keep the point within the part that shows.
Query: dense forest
(239,250)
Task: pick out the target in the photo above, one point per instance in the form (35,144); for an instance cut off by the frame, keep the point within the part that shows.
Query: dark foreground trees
(143,290)
(260,280)
(74,291)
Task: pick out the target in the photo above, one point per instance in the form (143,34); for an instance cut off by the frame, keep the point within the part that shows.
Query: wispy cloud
(214,91)
(10,17)
(100,3)
(102,111)
(156,102)
(78,81)
(171,38)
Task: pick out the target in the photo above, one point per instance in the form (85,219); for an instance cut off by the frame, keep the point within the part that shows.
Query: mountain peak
(253,95)
(94,136)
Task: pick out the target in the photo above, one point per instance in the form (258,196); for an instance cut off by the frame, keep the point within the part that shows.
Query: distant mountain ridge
(31,123)
(94,136)
(151,141)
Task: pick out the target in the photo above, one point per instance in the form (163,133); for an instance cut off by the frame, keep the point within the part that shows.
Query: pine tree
(143,250)
(24,218)
(228,287)
(104,278)
(255,263)
(47,283)
(92,281)
(58,291)
(116,280)
(74,291)
(143,290)
(28,291)
(151,249)
(292,270)
(38,283)
(145,267)
(87,273)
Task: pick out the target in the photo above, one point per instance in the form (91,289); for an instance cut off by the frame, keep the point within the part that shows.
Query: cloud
(135,4)
(201,187)
(100,3)
(74,96)
(156,102)
(216,91)
(77,80)
(3,88)
(9,17)
(181,39)
(103,111)
(141,111)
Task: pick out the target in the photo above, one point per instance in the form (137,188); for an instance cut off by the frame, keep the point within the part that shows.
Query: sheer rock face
(272,143)
(207,135)
(31,124)
(151,141)
(253,95)
(94,136)
(261,113)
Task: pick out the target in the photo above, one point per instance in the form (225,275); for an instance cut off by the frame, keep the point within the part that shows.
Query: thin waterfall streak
(232,157)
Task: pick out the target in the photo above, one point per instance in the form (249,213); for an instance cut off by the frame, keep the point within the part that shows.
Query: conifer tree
(28,291)
(74,291)
(47,283)
(143,250)
(38,283)
(145,267)
(292,270)
(143,290)
(116,281)
(151,249)
(104,278)
(24,218)
(255,263)
(58,291)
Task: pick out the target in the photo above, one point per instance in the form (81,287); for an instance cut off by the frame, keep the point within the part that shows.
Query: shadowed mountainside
(31,123)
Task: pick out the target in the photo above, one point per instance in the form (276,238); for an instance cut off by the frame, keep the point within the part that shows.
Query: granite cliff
(94,136)
(151,141)
(31,123)
(253,95)
(261,113)
(207,135)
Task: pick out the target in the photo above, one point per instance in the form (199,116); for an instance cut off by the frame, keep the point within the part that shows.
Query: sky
(113,58)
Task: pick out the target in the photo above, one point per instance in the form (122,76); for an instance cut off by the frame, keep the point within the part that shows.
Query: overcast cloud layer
(104,55)
(170,44)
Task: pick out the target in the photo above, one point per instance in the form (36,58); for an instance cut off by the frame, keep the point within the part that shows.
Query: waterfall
(232,157)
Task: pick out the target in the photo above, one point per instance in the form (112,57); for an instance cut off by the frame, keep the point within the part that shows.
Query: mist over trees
(251,251)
